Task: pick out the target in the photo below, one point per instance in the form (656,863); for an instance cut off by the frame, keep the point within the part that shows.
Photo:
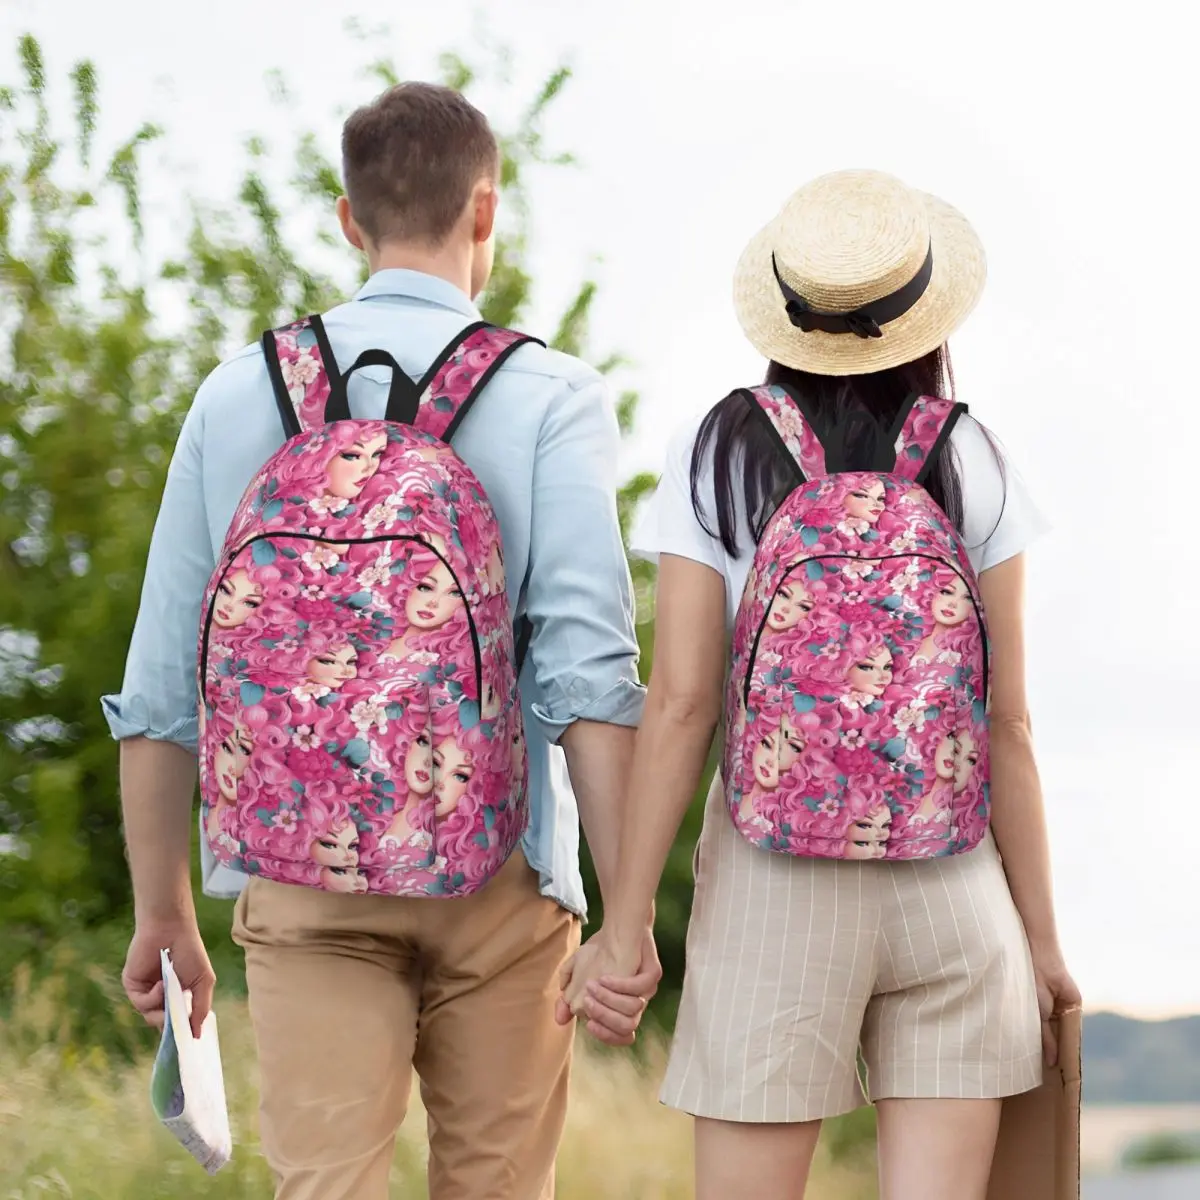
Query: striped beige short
(796,966)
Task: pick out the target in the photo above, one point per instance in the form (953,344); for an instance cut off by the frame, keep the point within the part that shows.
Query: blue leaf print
(803,703)
(326,701)
(977,710)
(356,752)
(251,693)
(359,600)
(297,787)
(809,535)
(814,570)
(894,748)
(913,451)
(264,816)
(891,603)
(481,839)
(455,689)
(489,816)
(306,339)
(263,553)
(393,711)
(442,403)
(870,536)
(272,508)
(468,714)
(457,879)
(387,786)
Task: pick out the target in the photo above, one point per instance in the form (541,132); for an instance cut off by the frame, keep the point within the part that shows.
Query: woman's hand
(1056,993)
(609,987)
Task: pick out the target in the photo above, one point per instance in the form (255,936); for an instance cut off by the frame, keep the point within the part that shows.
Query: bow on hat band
(864,322)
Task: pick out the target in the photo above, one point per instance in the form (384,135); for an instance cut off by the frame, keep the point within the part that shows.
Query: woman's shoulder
(1000,516)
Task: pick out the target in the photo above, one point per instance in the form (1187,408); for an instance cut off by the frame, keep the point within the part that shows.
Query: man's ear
(486,199)
(350,229)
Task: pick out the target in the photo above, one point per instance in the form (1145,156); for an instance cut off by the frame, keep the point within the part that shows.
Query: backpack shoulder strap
(308,387)
(925,426)
(452,385)
(792,430)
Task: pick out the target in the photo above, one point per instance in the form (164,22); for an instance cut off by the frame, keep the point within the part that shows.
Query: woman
(934,969)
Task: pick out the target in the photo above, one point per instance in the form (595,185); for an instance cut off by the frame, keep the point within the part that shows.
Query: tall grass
(77,1123)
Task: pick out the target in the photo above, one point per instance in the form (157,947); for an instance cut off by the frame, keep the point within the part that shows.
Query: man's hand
(609,989)
(142,977)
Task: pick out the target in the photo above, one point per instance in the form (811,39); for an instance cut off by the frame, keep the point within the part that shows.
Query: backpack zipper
(975,604)
(310,537)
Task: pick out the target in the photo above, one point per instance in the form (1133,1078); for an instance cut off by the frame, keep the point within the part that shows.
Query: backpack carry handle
(404,397)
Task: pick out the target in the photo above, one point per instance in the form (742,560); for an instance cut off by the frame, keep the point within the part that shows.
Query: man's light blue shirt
(542,439)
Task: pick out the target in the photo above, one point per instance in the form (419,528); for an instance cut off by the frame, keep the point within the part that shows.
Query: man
(348,993)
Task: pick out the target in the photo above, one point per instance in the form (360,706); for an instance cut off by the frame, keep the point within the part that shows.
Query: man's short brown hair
(410,159)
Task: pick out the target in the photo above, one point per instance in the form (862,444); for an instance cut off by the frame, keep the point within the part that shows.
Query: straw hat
(857,273)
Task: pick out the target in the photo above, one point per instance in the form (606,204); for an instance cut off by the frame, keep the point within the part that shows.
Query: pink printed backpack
(360,726)
(856,712)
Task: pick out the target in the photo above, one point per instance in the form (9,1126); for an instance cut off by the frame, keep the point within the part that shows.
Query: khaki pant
(349,993)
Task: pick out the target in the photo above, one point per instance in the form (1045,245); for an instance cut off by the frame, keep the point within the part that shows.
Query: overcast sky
(1066,137)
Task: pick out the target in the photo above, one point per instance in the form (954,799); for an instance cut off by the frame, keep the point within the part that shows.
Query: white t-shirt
(999,517)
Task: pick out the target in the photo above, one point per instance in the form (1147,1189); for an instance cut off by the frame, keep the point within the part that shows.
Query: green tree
(93,386)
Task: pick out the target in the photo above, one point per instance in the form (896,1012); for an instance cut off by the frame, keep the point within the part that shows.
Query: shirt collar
(396,281)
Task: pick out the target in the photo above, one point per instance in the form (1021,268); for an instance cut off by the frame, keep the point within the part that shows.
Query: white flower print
(828,807)
(859,569)
(310,591)
(286,820)
(219,651)
(829,650)
(321,558)
(378,573)
(903,543)
(300,371)
(950,657)
(856,700)
(381,515)
(852,526)
(310,691)
(368,715)
(326,506)
(909,717)
(790,427)
(423,658)
(305,738)
(854,597)
(770,659)
(907,579)
(852,739)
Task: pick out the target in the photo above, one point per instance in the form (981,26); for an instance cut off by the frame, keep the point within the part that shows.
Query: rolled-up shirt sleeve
(158,696)
(579,596)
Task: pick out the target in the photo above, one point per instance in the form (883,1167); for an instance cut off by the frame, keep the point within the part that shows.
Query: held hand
(609,989)
(142,976)
(1056,993)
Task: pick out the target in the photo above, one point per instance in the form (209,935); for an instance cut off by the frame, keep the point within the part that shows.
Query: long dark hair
(860,408)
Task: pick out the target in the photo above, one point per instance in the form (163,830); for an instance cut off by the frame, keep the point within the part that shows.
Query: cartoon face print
(789,608)
(490,709)
(351,879)
(418,765)
(353,467)
(870,676)
(495,571)
(966,755)
(334,668)
(337,848)
(238,598)
(952,603)
(945,758)
(867,837)
(791,744)
(775,753)
(517,754)
(230,761)
(866,503)
(452,771)
(434,600)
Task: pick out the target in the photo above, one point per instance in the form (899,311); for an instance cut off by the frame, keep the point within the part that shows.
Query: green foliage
(93,386)
(1162,1149)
